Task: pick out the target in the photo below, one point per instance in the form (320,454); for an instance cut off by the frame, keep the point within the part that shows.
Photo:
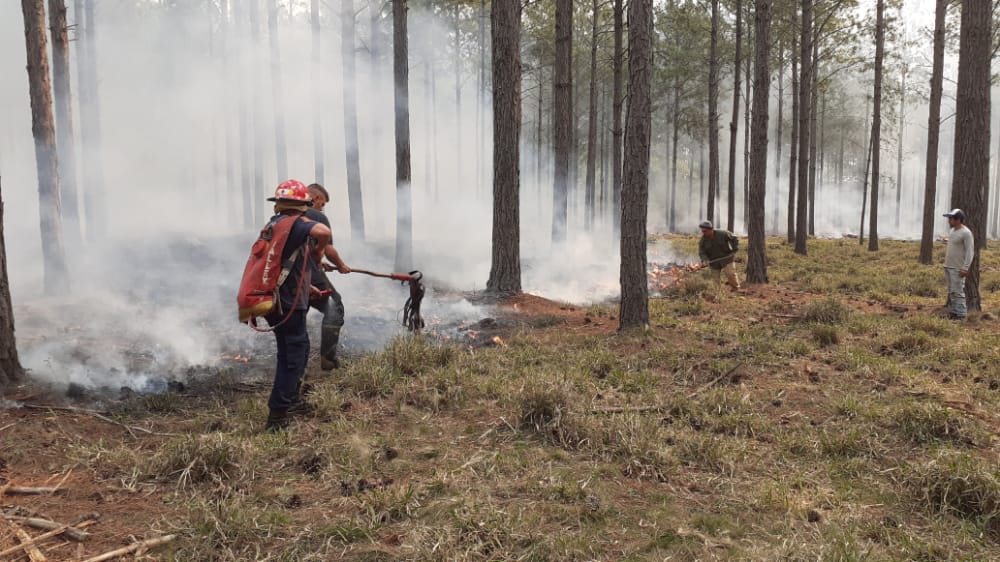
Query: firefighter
(717,249)
(306,241)
(327,300)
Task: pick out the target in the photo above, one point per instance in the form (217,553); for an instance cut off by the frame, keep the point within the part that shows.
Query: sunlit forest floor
(834,414)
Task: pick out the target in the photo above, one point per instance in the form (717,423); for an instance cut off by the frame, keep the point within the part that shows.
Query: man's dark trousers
(293,353)
(332,308)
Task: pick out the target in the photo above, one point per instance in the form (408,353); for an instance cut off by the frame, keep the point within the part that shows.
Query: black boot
(301,408)
(277,420)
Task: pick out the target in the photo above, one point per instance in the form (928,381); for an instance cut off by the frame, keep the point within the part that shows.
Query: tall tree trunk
(355,200)
(401,77)
(635,189)
(756,244)
(865,177)
(257,112)
(604,153)
(737,62)
(746,124)
(713,114)
(899,144)
(877,124)
(505,271)
(317,96)
(793,152)
(778,136)
(64,120)
(813,106)
(805,112)
(563,126)
(56,275)
(232,190)
(672,216)
(588,220)
(540,144)
(971,177)
(277,98)
(436,160)
(250,203)
(10,366)
(821,162)
(459,147)
(94,199)
(481,168)
(618,96)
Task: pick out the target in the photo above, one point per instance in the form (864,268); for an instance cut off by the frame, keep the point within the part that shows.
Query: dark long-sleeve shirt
(719,249)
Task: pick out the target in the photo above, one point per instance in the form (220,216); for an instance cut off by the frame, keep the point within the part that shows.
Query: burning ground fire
(669,276)
(238,358)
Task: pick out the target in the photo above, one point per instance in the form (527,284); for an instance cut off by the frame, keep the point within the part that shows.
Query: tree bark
(505,271)
(793,151)
(746,125)
(257,114)
(10,367)
(563,126)
(401,73)
(618,96)
(319,163)
(588,221)
(355,200)
(250,204)
(277,98)
(64,120)
(481,170)
(970,180)
(865,178)
(779,137)
(933,136)
(459,147)
(94,203)
(805,112)
(899,144)
(672,218)
(733,123)
(635,189)
(877,125)
(231,157)
(713,114)
(756,243)
(56,275)
(813,136)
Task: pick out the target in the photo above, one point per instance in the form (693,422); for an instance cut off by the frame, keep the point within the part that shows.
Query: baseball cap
(706,224)
(956,214)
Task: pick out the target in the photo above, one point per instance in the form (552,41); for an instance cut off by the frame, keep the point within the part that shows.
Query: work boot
(329,364)
(301,408)
(277,420)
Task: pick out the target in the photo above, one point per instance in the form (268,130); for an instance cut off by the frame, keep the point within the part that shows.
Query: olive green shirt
(719,249)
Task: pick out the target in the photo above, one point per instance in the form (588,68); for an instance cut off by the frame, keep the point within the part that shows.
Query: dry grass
(729,431)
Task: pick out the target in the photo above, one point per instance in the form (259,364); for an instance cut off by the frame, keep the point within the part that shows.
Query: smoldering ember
(468,280)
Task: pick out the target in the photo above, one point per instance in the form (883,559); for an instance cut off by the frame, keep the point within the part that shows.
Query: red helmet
(292,190)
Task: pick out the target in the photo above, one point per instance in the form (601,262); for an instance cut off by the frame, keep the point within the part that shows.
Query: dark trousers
(293,352)
(332,308)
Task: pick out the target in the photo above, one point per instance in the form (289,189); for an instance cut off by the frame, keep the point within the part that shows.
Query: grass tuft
(826,311)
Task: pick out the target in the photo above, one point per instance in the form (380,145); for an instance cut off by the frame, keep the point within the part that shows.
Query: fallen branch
(150,543)
(60,408)
(99,415)
(715,380)
(30,491)
(47,525)
(28,545)
(28,542)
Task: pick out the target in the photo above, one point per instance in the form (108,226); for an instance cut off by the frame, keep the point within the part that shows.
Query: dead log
(149,543)
(30,491)
(48,525)
(24,545)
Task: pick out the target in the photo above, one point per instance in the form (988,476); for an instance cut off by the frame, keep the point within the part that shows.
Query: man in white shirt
(957,261)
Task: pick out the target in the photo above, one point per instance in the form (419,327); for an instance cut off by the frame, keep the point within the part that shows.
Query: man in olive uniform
(716,249)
